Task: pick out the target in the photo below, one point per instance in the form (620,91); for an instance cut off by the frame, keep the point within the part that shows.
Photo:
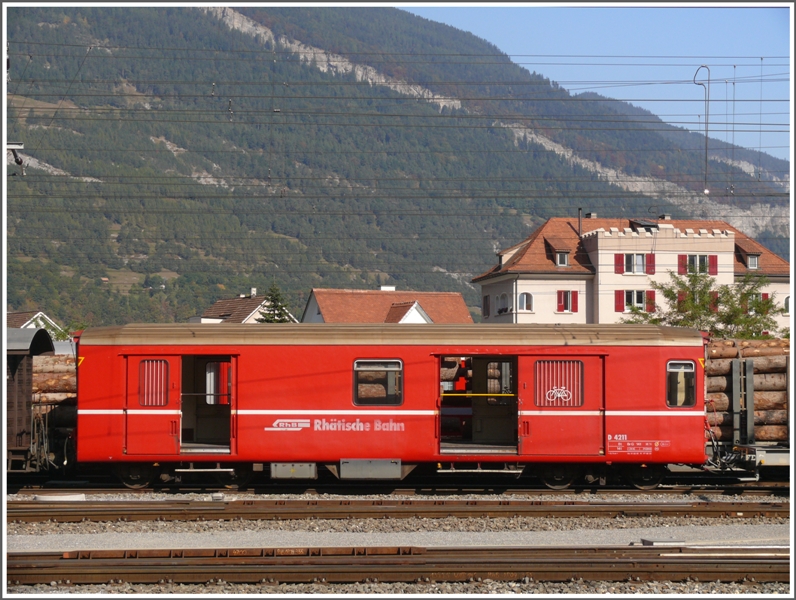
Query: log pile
(54,378)
(771,410)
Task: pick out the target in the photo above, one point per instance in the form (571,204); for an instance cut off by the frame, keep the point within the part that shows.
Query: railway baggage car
(375,401)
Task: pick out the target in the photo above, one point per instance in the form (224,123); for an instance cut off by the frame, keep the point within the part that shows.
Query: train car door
(562,405)
(152,414)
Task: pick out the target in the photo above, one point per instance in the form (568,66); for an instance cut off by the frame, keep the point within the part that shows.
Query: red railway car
(374,401)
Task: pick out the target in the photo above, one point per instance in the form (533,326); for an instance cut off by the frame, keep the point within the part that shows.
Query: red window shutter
(682,264)
(619,263)
(713,264)
(650,264)
(574,301)
(619,300)
(650,294)
(714,301)
(560,299)
(765,296)
(680,300)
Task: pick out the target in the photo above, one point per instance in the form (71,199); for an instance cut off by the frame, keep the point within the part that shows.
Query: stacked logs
(770,386)
(493,378)
(54,379)
(372,384)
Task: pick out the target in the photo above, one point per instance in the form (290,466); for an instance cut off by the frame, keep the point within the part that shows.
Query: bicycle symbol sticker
(558,393)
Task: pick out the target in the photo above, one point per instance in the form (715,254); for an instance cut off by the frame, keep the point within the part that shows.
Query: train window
(153,383)
(680,383)
(378,382)
(559,383)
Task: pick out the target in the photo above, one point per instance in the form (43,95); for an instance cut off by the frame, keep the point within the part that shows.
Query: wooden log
(751,343)
(762,364)
(771,400)
(55,368)
(763,433)
(771,364)
(764,351)
(493,386)
(763,382)
(763,401)
(722,352)
(770,382)
(762,417)
(771,433)
(449,373)
(50,361)
(371,390)
(717,384)
(771,417)
(54,382)
(371,376)
(719,343)
(723,433)
(717,401)
(54,398)
(717,366)
(716,419)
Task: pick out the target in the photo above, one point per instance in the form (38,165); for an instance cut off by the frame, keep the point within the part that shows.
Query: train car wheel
(559,477)
(237,479)
(136,476)
(645,477)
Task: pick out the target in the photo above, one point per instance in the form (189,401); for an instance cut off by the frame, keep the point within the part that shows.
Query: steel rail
(406,564)
(198,510)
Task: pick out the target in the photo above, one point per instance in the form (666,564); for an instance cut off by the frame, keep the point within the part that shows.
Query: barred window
(153,383)
(559,383)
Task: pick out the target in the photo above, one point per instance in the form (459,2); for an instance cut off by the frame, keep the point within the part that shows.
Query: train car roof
(206,334)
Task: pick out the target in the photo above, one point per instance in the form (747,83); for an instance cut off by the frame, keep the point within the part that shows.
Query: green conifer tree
(275,309)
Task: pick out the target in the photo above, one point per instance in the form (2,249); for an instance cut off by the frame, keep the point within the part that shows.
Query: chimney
(665,217)
(254,292)
(387,288)
(591,215)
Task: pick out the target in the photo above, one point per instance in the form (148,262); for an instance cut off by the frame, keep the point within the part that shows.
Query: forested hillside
(191,154)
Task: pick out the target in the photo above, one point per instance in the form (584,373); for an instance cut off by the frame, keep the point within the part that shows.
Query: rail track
(227,510)
(745,488)
(396,564)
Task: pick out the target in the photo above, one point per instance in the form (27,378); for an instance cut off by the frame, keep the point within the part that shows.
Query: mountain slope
(213,150)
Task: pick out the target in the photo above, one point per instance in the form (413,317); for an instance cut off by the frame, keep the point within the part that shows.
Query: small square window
(634,298)
(562,259)
(680,383)
(378,383)
(752,261)
(634,263)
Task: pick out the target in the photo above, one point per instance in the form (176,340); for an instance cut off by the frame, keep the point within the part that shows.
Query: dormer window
(752,261)
(562,259)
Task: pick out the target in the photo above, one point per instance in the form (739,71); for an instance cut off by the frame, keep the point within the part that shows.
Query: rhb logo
(288,425)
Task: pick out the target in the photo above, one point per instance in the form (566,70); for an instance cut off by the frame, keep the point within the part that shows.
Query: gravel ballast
(409,531)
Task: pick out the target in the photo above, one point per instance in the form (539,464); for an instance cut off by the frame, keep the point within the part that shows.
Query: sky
(650,55)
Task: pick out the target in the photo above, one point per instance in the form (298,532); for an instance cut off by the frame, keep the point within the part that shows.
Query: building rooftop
(536,254)
(377,306)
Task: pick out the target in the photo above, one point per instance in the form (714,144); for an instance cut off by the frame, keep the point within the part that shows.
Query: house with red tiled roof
(384,306)
(592,270)
(243,309)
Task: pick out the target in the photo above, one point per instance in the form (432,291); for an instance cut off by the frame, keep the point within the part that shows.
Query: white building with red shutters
(592,270)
